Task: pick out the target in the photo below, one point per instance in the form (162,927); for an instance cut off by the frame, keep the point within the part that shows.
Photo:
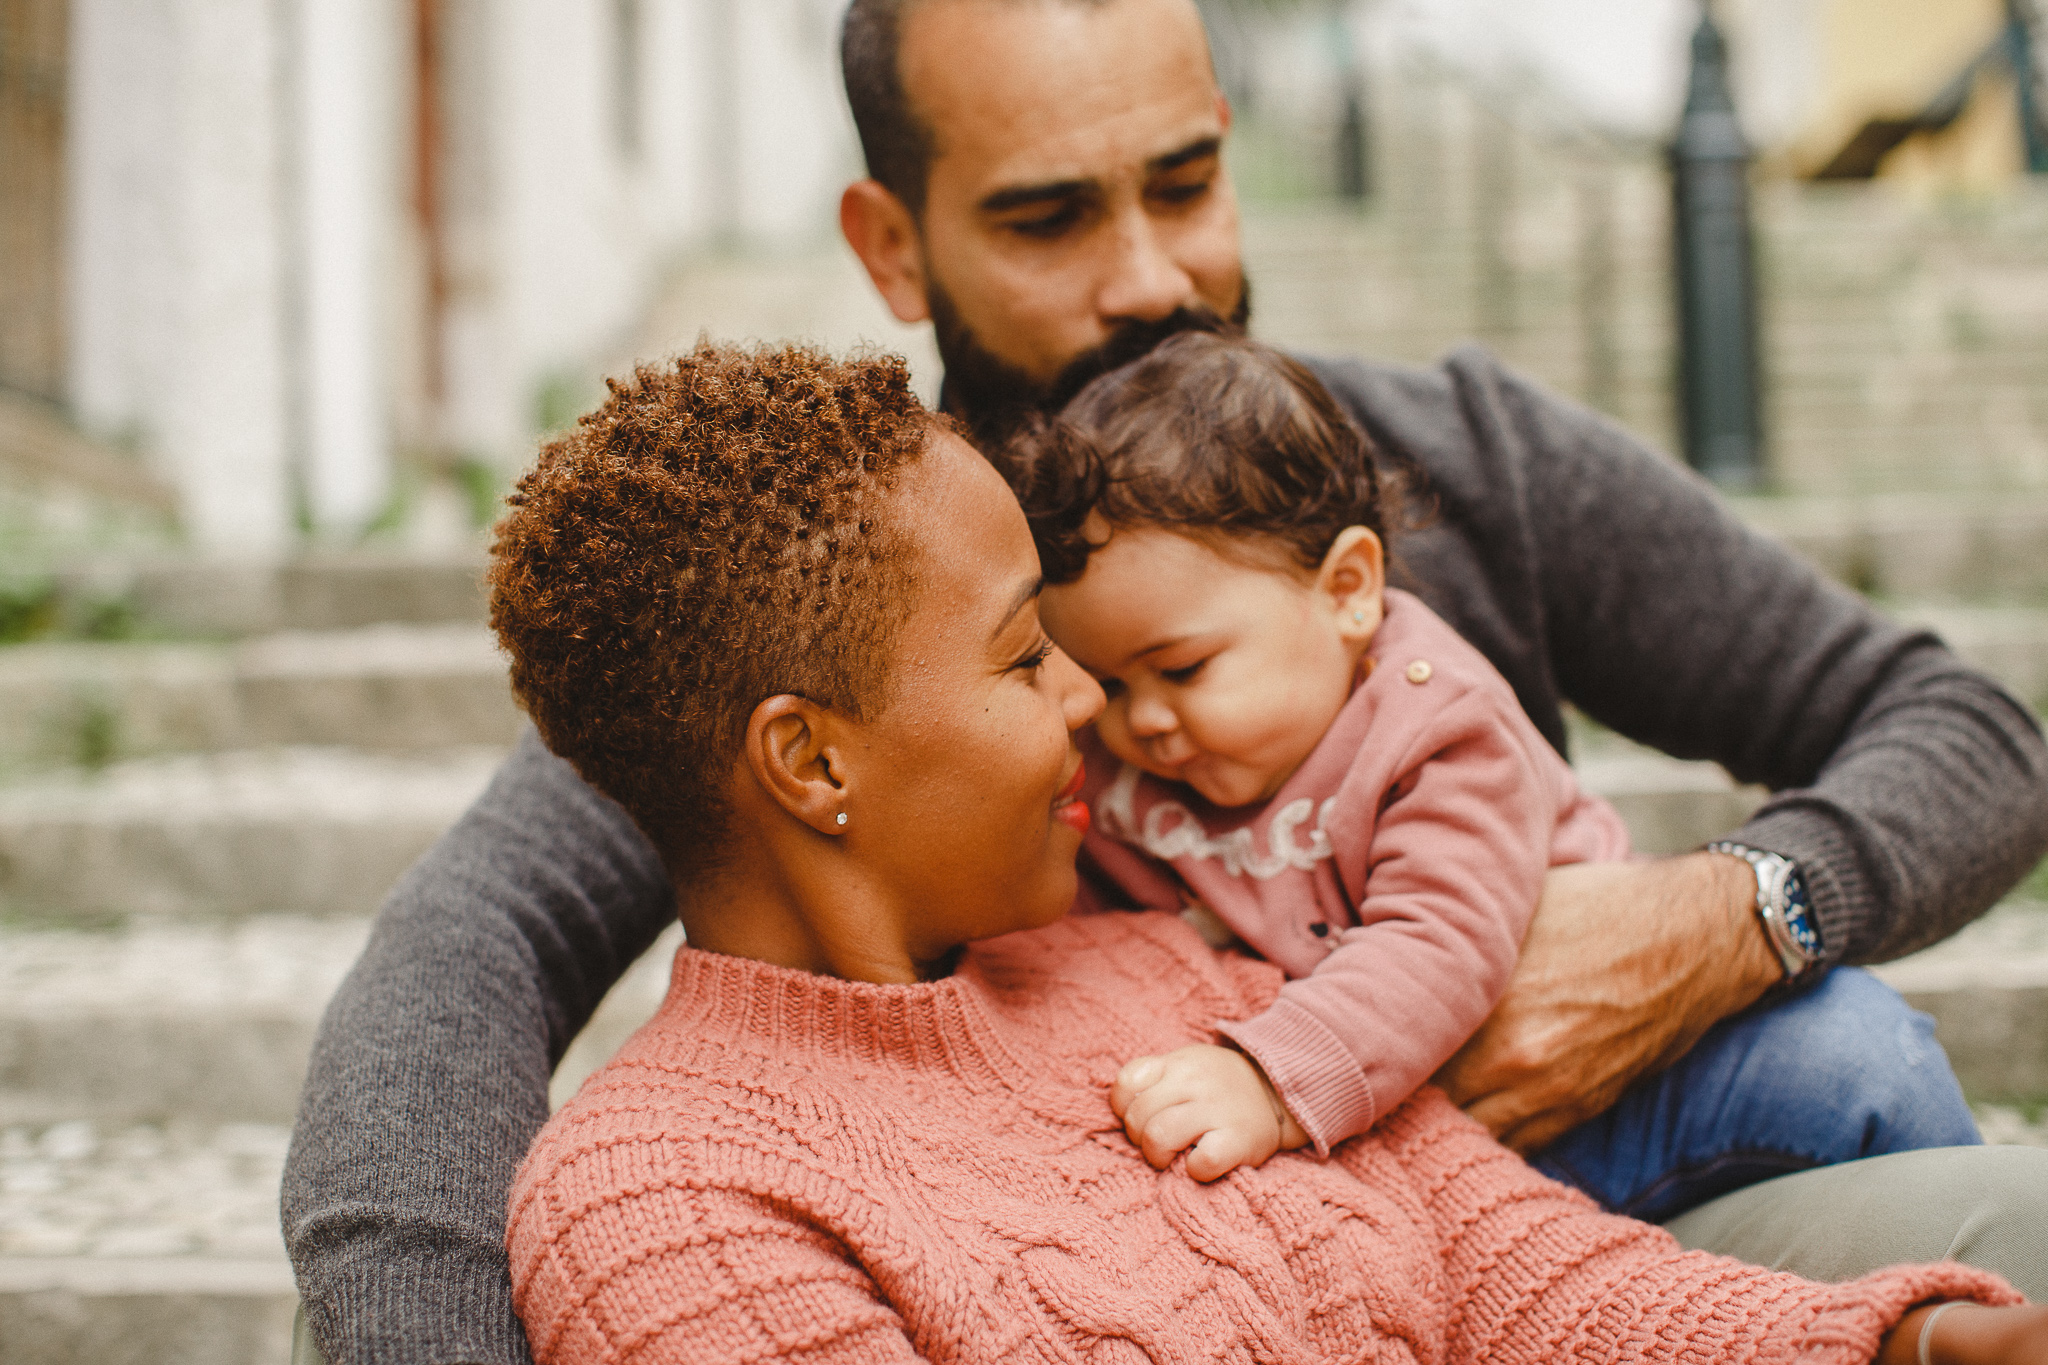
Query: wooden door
(32,67)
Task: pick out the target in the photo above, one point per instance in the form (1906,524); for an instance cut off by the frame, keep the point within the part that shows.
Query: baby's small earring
(1357,618)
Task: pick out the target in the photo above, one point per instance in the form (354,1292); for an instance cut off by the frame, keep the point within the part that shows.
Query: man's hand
(1214,1099)
(1625,966)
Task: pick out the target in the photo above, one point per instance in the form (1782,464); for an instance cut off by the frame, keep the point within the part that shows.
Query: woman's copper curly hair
(711,536)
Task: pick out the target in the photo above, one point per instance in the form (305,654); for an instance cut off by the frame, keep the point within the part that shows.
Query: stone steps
(317,590)
(152,1243)
(203,1021)
(1918,547)
(386,688)
(315,831)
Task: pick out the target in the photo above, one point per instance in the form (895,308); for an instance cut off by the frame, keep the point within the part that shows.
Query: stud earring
(1357,618)
(842,817)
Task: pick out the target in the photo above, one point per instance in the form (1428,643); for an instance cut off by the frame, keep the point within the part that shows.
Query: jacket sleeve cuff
(1318,1078)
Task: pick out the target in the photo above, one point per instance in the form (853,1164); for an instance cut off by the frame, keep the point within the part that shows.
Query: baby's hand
(1214,1099)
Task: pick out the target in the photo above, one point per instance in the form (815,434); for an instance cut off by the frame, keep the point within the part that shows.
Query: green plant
(483,485)
(96,739)
(28,611)
(2035,885)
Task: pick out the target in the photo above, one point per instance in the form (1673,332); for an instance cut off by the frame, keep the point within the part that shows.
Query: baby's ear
(1354,576)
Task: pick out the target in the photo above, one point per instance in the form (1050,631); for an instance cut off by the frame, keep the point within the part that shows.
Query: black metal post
(1354,145)
(2026,29)
(1718,369)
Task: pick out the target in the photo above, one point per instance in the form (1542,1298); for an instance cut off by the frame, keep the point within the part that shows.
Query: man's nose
(1141,281)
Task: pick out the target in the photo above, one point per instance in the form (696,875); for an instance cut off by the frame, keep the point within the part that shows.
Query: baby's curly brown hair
(709,537)
(1212,435)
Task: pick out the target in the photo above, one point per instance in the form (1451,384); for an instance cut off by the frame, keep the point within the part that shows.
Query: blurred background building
(298,262)
(289,289)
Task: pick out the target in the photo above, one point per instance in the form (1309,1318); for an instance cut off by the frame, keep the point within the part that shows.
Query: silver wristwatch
(1782,904)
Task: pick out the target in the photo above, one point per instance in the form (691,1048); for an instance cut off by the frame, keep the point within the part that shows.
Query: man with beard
(1048,187)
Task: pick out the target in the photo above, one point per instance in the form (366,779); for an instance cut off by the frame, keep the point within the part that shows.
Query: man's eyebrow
(1019,196)
(1194,151)
(1029,592)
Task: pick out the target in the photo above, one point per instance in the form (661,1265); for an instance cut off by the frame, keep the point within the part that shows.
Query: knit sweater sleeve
(728,1276)
(429,1075)
(1539,1273)
(1451,871)
(1911,789)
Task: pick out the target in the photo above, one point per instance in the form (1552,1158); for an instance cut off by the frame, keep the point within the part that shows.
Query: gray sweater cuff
(1843,899)
(414,1308)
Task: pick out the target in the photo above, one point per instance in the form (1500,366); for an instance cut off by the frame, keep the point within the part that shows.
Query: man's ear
(791,751)
(1354,576)
(883,233)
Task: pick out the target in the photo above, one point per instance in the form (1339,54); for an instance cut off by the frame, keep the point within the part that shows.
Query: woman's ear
(883,233)
(791,750)
(1354,578)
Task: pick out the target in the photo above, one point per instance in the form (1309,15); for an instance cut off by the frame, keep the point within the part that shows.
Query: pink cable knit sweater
(787,1166)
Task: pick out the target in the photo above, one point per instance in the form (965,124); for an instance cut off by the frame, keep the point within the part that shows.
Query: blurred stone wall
(1906,334)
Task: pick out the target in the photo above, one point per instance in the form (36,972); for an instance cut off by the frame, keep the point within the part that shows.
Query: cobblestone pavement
(150,1190)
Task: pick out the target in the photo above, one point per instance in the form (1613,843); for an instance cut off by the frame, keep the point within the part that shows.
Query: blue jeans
(1843,1069)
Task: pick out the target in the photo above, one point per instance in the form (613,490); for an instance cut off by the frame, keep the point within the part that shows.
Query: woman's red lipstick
(1069,807)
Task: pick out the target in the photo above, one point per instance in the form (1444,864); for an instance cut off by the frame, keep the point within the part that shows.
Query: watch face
(1797,912)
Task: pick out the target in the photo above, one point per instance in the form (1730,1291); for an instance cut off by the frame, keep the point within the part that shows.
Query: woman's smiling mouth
(1068,807)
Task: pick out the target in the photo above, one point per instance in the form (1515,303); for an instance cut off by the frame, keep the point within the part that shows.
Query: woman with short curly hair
(790,623)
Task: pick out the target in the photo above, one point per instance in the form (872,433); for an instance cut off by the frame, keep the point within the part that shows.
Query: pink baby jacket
(1392,876)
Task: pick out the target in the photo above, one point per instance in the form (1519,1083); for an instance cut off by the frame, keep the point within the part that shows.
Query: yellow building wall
(1889,58)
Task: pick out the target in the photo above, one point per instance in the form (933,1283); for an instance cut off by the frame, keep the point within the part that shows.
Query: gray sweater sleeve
(430,1073)
(1911,789)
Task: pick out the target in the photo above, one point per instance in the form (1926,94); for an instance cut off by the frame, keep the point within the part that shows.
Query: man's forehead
(1032,91)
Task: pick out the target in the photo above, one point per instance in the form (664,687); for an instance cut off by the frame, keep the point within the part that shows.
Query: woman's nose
(1081,697)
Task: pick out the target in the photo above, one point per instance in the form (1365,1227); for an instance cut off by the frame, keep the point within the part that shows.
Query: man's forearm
(430,1073)
(1932,807)
(1624,967)
(1912,790)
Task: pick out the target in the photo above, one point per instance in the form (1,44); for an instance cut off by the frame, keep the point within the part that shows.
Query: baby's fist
(1213,1099)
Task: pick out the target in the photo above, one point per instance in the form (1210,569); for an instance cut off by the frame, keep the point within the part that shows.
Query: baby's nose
(1149,719)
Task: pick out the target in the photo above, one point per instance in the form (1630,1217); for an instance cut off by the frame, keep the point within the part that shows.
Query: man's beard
(993,396)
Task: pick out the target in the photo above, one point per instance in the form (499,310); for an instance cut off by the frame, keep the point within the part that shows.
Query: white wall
(248,295)
(348,141)
(176,313)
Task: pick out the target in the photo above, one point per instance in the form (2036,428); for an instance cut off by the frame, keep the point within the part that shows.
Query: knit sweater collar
(954,1024)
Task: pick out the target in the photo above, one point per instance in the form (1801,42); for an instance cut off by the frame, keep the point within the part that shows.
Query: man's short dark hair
(711,536)
(894,138)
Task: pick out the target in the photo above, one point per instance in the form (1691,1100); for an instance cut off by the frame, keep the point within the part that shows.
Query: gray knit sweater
(1911,790)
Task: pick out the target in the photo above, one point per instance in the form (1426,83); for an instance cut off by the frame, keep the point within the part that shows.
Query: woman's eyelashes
(1035,660)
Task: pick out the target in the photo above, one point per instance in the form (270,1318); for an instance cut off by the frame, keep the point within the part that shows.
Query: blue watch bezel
(1784,907)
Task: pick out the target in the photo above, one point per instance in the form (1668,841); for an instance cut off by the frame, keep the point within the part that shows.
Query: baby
(1304,758)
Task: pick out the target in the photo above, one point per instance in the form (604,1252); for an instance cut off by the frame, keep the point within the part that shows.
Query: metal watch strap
(1787,922)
